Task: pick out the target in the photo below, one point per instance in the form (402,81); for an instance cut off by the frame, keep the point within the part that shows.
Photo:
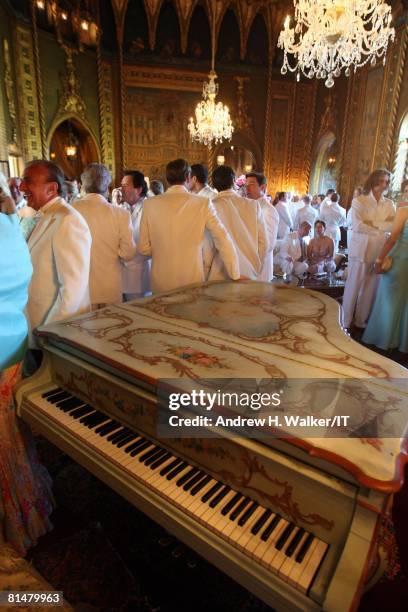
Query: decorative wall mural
(156,129)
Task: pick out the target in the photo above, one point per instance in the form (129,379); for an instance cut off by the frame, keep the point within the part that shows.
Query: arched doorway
(323,175)
(242,153)
(72,147)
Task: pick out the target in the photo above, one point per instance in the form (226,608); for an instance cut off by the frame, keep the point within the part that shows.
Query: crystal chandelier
(330,35)
(213,122)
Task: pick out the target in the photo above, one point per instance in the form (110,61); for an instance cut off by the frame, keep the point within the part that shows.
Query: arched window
(400,170)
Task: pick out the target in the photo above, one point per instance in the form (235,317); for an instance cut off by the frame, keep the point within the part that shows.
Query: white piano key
(280,557)
(289,563)
(311,567)
(265,554)
(298,568)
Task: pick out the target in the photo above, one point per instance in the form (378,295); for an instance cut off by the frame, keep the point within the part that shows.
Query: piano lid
(250,330)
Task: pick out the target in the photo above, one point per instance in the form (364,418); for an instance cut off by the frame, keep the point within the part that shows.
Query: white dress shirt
(172,232)
(112,239)
(244,221)
(136,272)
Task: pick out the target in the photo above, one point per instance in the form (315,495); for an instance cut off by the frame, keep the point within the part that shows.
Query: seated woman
(320,251)
(25,495)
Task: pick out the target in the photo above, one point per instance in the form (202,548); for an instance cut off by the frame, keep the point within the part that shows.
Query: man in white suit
(293,251)
(244,221)
(372,215)
(172,233)
(112,236)
(256,190)
(60,247)
(136,272)
(286,222)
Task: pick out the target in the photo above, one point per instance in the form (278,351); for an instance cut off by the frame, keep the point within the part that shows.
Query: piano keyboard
(291,552)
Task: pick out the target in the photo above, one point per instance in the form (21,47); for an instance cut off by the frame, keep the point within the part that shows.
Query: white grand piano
(296,521)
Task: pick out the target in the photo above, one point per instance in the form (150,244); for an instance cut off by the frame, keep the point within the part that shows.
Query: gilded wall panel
(156,129)
(369,120)
(279,142)
(301,141)
(107,121)
(27,93)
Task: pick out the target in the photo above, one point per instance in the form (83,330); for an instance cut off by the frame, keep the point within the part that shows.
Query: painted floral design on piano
(195,356)
(301,323)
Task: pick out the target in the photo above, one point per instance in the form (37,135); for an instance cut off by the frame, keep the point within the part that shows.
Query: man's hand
(7,204)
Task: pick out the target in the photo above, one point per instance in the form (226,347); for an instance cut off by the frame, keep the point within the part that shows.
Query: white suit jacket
(60,248)
(136,272)
(285,219)
(112,238)
(207,192)
(172,233)
(244,221)
(271,217)
(367,240)
(306,213)
(291,247)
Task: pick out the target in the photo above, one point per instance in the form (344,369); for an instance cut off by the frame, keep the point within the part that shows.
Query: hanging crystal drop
(329,81)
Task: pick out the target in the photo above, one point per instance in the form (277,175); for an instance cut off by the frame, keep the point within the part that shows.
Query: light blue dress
(15,275)
(388,323)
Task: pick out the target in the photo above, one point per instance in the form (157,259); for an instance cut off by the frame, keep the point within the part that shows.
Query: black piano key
(170,466)
(149,453)
(129,438)
(177,470)
(159,453)
(115,434)
(283,538)
(231,504)
(235,514)
(248,513)
(67,404)
(97,420)
(220,496)
(89,417)
(197,488)
(305,547)
(292,546)
(271,527)
(51,392)
(186,477)
(120,435)
(77,413)
(59,396)
(193,480)
(135,445)
(160,460)
(261,522)
(107,428)
(140,449)
(207,496)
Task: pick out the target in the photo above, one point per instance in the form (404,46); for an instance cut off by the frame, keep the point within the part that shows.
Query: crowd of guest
(72,249)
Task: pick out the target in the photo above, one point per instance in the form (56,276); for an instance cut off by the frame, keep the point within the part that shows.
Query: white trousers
(298,268)
(359,293)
